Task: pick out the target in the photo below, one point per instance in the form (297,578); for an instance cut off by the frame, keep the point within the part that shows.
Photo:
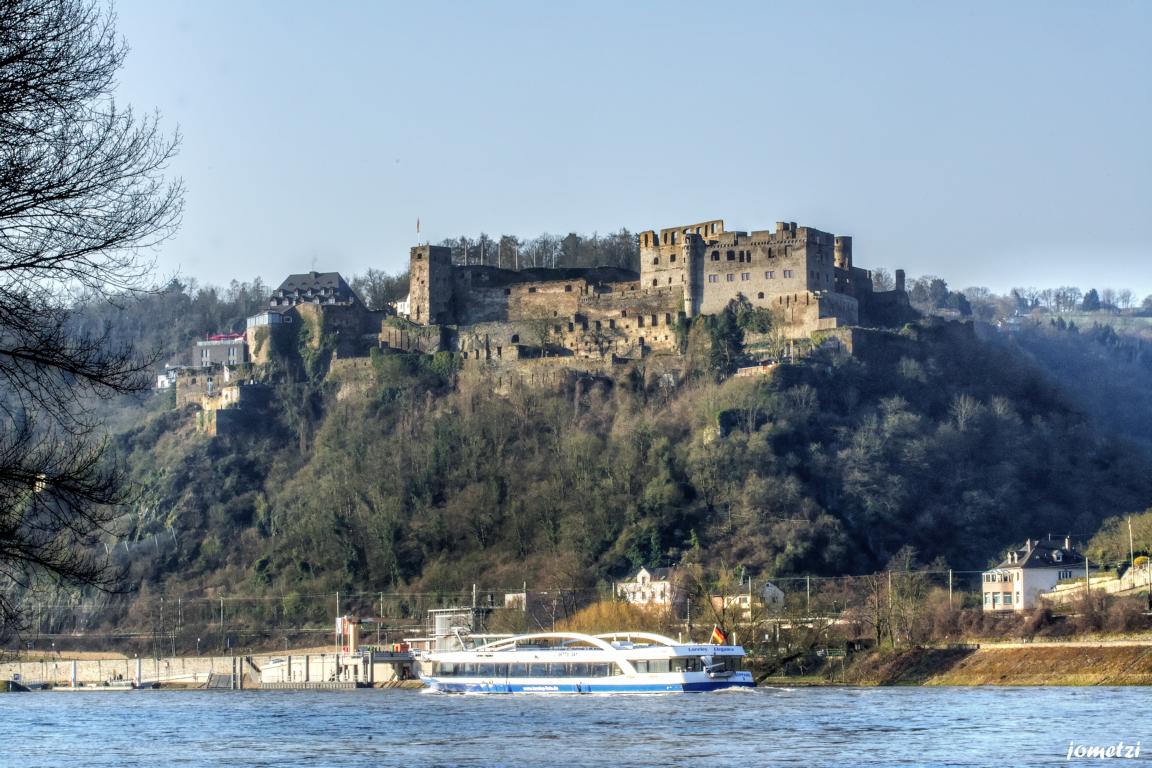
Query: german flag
(718,637)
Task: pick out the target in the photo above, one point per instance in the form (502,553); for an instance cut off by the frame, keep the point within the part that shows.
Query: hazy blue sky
(994,144)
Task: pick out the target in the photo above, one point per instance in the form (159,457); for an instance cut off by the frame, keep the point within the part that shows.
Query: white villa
(658,587)
(1017,583)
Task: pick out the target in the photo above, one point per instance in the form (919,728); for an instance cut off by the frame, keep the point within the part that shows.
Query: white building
(658,587)
(1017,583)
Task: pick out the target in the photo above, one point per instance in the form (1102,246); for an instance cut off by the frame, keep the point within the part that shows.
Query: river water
(766,726)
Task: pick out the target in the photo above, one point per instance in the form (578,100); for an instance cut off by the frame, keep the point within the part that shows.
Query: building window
(760,295)
(770,274)
(567,289)
(731,255)
(713,278)
(533,290)
(730,277)
(672,259)
(656,260)
(715,255)
(745,276)
(787,273)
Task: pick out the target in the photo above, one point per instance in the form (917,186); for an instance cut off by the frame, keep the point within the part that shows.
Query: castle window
(713,278)
(567,289)
(531,290)
(760,295)
(672,259)
(715,255)
(730,277)
(515,338)
(639,321)
(745,276)
(653,282)
(731,255)
(612,324)
(656,260)
(770,274)
(419,257)
(787,273)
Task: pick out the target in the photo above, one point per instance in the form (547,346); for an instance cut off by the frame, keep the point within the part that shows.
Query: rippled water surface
(767,726)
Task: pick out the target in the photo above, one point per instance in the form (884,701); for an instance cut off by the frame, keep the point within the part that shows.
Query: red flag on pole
(718,637)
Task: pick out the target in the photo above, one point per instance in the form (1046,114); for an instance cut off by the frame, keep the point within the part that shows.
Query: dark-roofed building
(1017,583)
(324,288)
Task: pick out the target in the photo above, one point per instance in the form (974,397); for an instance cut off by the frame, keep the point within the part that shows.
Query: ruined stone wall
(544,300)
(193,385)
(407,337)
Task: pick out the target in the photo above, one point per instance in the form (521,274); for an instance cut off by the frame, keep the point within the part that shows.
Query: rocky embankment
(1084,663)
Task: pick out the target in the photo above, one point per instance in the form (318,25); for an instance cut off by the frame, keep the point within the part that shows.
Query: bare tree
(882,280)
(82,192)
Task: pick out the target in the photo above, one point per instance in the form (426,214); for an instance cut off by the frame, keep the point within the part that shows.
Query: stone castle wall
(805,276)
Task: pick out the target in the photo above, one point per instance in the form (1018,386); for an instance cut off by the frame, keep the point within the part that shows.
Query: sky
(992,144)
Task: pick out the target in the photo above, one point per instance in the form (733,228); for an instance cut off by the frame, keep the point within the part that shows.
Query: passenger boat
(570,662)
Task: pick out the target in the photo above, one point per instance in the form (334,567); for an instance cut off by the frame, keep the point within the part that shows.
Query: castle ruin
(804,276)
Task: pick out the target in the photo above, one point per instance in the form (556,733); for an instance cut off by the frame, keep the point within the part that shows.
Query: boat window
(501,670)
(485,670)
(558,670)
(641,666)
(469,670)
(518,670)
(659,665)
(538,670)
(601,670)
(578,670)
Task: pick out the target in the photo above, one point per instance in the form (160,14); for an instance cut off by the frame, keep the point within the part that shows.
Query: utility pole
(949,587)
(1087,582)
(1131,549)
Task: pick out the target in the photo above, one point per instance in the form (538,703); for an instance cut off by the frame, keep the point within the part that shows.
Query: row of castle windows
(731,277)
(745,256)
(671,259)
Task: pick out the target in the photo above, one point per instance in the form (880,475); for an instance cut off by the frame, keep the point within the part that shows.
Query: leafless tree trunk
(82,192)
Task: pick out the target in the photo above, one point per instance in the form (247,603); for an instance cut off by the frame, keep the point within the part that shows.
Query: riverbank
(1074,664)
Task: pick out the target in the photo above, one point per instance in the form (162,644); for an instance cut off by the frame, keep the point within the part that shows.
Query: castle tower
(430,284)
(842,253)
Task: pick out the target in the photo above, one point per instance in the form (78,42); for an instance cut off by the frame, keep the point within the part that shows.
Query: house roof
(656,574)
(313,280)
(1042,554)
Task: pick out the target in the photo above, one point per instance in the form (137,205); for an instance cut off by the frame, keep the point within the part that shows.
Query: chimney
(1028,546)
(1068,543)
